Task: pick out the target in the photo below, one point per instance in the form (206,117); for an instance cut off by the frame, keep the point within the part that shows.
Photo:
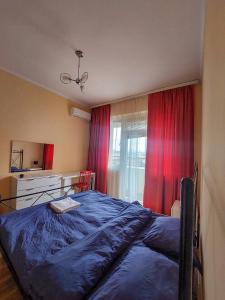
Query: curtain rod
(196,81)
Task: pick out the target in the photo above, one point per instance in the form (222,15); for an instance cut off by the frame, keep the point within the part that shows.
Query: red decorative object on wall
(48,156)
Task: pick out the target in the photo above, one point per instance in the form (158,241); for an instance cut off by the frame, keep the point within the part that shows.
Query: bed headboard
(188,234)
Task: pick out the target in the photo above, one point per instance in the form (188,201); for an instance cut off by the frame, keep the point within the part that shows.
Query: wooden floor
(8,286)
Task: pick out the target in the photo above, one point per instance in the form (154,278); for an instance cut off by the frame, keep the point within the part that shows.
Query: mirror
(30,156)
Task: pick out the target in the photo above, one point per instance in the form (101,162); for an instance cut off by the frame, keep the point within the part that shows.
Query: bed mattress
(93,252)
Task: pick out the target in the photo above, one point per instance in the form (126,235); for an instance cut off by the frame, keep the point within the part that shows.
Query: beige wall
(198,128)
(213,153)
(30,113)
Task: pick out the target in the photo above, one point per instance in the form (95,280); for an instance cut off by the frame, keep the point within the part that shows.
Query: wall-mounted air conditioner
(76,112)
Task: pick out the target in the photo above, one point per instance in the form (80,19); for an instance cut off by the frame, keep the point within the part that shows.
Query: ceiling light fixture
(67,78)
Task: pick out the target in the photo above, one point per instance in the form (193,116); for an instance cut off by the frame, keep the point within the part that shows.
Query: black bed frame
(188,236)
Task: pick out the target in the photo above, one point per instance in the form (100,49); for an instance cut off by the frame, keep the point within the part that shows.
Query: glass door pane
(133,170)
(126,171)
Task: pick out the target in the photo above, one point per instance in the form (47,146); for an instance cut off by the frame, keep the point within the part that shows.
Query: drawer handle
(51,184)
(29,189)
(30,179)
(28,199)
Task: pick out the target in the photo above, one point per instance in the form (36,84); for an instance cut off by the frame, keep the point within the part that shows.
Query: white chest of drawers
(32,184)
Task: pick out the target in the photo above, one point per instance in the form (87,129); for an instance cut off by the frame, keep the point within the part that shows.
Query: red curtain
(170,149)
(99,146)
(48,156)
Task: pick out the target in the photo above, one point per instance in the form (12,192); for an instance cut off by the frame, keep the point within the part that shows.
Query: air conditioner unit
(76,112)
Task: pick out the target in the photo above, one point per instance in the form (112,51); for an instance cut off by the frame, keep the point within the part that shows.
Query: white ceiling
(131,46)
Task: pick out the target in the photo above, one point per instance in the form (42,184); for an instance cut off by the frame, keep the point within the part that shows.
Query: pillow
(164,236)
(141,274)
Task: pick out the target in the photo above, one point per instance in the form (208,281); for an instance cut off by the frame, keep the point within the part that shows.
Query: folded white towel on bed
(64,205)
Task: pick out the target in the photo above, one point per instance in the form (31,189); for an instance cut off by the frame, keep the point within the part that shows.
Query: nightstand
(175,209)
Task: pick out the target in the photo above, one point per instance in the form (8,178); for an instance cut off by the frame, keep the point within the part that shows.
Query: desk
(69,178)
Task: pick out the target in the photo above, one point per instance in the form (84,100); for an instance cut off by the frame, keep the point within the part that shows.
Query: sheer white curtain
(126,169)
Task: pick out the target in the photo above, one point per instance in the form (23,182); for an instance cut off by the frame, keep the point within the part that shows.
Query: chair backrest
(85,177)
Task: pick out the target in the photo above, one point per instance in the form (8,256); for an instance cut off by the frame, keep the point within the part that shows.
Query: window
(127,156)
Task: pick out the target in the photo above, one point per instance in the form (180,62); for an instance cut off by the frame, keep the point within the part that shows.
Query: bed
(106,249)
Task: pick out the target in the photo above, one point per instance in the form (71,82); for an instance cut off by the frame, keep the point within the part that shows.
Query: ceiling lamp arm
(78,77)
(66,78)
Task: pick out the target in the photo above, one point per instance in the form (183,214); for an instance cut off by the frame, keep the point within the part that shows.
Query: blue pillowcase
(142,274)
(164,236)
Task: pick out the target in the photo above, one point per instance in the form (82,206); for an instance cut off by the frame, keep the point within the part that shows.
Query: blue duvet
(94,252)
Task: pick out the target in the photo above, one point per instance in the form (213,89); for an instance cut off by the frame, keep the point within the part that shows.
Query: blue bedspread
(90,252)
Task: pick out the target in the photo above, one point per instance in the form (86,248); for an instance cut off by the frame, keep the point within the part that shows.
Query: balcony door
(127,156)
